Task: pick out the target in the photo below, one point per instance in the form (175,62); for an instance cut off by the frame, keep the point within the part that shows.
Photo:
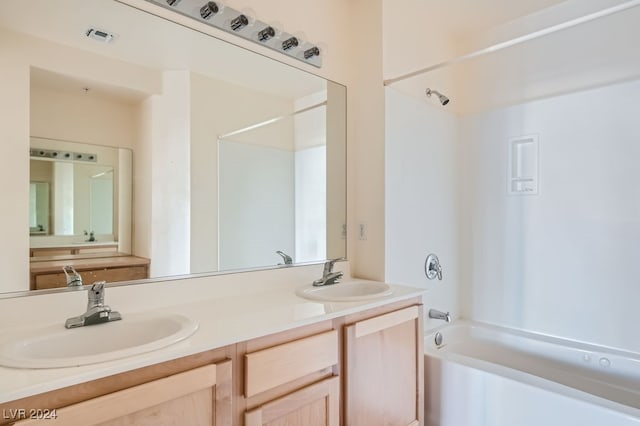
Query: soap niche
(522,175)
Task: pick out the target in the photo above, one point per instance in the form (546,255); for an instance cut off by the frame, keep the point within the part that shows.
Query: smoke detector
(100,35)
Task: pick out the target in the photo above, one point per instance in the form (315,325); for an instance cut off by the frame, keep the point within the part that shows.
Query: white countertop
(229,309)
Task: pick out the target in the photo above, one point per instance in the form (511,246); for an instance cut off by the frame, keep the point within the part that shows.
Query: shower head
(443,99)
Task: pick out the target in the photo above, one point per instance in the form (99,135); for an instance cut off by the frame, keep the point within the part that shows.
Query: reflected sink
(55,346)
(348,291)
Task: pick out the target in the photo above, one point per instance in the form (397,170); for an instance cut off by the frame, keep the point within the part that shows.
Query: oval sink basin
(55,346)
(350,291)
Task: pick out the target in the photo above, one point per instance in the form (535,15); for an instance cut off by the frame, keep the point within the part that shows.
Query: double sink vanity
(253,348)
(262,347)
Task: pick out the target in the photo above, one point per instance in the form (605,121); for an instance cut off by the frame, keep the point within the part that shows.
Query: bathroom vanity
(46,272)
(257,359)
(73,249)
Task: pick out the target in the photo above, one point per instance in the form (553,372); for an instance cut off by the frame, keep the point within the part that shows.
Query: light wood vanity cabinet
(383,369)
(314,405)
(194,390)
(361,369)
(200,396)
(293,383)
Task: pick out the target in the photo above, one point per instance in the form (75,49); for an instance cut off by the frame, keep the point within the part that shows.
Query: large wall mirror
(170,149)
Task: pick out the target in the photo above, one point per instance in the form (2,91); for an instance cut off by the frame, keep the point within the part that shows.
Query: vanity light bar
(63,155)
(232,21)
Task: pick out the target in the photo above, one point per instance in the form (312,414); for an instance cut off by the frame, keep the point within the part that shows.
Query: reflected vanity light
(233,21)
(53,154)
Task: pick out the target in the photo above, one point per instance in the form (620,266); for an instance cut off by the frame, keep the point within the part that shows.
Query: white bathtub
(483,375)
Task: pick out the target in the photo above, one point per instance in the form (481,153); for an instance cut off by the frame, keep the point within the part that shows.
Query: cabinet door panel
(201,396)
(384,368)
(193,409)
(314,405)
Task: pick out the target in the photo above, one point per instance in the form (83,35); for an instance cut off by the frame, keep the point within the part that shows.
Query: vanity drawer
(268,368)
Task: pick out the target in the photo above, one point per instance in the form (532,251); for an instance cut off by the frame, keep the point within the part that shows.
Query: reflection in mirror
(206,197)
(39,208)
(79,193)
(278,180)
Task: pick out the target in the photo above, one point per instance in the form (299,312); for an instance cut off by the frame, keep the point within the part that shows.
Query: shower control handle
(432,268)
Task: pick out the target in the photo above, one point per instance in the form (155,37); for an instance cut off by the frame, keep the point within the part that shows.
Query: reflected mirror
(209,162)
(39,208)
(79,195)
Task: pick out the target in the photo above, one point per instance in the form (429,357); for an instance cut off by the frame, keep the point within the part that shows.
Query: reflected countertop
(229,309)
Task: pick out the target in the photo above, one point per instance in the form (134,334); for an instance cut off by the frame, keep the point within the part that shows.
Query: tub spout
(436,314)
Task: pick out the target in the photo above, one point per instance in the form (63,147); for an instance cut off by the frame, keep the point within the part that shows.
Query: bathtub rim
(524,377)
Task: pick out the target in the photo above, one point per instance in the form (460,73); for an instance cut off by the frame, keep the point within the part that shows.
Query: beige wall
(14,168)
(81,117)
(365,155)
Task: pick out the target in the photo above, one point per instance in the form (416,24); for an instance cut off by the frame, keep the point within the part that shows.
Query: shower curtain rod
(270,121)
(518,40)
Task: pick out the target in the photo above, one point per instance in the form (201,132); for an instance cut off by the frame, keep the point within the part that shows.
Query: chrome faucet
(328,276)
(97,311)
(73,277)
(285,258)
(436,314)
(91,237)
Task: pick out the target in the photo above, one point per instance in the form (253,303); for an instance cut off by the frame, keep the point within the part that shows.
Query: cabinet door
(313,405)
(201,396)
(383,370)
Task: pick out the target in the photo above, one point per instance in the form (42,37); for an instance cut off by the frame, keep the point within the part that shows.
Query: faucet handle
(285,257)
(98,285)
(432,267)
(96,294)
(73,277)
(328,265)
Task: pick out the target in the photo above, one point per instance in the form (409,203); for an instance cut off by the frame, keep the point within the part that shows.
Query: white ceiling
(152,42)
(43,79)
(593,54)
(462,18)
